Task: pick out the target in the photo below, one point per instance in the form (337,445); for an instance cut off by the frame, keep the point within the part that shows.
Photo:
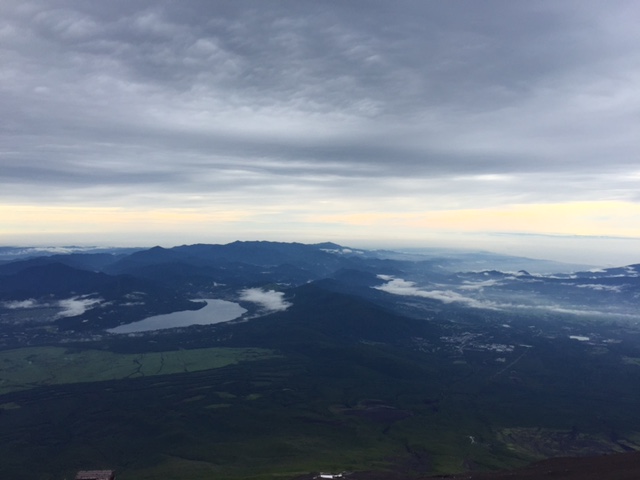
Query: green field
(27,368)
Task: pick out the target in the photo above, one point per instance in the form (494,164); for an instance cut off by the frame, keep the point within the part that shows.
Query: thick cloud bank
(269,300)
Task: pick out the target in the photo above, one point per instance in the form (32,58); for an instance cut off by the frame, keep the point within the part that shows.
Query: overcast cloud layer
(319,119)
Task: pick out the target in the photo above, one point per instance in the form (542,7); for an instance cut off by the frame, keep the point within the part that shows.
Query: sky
(500,125)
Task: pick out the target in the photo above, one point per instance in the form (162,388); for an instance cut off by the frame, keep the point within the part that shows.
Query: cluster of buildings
(96,475)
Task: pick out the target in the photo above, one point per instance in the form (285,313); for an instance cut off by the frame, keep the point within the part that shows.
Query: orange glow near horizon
(19,219)
(610,218)
(577,218)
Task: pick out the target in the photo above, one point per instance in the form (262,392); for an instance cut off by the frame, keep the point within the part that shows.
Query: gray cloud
(110,102)
(398,286)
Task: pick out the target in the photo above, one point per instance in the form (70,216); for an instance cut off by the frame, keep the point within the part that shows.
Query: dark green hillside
(352,387)
(317,313)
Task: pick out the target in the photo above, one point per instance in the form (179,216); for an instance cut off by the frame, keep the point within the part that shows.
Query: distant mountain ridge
(84,261)
(199,268)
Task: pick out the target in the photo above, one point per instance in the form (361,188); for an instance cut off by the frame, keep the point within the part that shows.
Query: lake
(216,311)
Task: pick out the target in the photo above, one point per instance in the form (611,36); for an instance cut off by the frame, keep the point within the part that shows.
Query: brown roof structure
(96,475)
